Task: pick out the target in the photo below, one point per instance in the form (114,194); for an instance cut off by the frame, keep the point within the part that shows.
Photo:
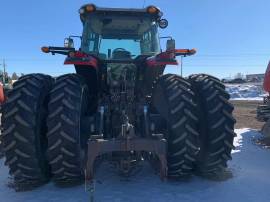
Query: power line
(249,55)
(236,55)
(201,65)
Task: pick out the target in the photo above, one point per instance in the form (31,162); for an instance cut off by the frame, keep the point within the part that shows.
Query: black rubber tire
(68,103)
(174,100)
(263,112)
(216,124)
(24,129)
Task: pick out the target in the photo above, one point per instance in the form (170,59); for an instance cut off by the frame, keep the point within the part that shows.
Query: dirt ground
(245,114)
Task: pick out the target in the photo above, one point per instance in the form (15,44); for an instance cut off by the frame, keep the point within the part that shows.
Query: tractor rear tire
(174,100)
(216,124)
(24,130)
(68,104)
(266,129)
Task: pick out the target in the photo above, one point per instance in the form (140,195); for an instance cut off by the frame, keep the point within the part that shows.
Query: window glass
(129,45)
(146,43)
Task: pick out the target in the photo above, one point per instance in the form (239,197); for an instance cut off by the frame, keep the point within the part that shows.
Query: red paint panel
(2,95)
(80,58)
(266,83)
(154,62)
(162,59)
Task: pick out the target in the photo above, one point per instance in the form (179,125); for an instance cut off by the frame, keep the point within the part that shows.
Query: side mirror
(170,45)
(68,43)
(163,23)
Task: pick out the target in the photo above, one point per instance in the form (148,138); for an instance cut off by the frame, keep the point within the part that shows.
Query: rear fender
(81,59)
(169,57)
(162,59)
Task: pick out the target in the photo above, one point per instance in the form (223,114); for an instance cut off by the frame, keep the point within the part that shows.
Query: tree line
(9,78)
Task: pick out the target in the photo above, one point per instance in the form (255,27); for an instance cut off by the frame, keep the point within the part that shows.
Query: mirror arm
(166,37)
(74,36)
(60,50)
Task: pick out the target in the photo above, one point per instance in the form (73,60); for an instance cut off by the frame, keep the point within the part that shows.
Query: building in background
(255,77)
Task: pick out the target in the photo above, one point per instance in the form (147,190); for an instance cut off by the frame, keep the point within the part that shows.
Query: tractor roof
(150,12)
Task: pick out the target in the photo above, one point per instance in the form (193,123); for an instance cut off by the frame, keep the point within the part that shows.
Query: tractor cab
(119,37)
(120,34)
(114,36)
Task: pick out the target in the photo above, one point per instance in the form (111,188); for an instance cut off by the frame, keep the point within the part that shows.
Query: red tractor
(118,106)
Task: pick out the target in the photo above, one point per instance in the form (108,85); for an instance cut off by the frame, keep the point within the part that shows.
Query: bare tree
(14,76)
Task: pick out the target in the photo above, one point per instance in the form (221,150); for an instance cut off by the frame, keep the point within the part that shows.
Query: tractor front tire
(24,130)
(68,104)
(174,99)
(216,124)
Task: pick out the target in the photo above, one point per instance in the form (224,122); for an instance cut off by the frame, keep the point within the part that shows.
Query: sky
(230,36)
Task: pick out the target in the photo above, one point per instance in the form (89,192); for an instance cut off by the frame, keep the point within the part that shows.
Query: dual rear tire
(200,123)
(197,112)
(41,133)
(216,124)
(174,99)
(24,129)
(69,99)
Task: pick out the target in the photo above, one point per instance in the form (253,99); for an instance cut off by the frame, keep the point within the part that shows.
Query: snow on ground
(245,91)
(250,182)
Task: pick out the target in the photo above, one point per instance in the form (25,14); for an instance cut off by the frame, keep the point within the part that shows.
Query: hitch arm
(57,50)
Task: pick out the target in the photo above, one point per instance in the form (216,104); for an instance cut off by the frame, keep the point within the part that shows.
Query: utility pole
(4,71)
(143,3)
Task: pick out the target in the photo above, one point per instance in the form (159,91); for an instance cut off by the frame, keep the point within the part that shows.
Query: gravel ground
(245,114)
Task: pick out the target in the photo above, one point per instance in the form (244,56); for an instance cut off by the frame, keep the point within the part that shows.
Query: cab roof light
(152,10)
(90,8)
